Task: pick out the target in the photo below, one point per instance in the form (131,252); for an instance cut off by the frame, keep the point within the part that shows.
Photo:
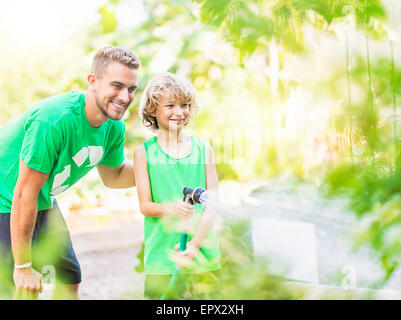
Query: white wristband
(23,266)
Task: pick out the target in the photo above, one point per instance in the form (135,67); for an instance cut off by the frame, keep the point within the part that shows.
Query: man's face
(115,89)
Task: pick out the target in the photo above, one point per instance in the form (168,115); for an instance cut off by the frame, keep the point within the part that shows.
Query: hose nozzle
(197,195)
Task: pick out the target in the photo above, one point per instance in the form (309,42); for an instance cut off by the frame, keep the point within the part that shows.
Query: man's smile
(119,106)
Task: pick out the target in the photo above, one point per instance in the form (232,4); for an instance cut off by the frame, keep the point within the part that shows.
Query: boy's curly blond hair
(167,85)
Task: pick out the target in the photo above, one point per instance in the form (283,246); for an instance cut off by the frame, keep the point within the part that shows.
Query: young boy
(163,166)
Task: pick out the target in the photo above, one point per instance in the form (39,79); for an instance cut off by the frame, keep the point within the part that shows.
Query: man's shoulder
(70,98)
(59,106)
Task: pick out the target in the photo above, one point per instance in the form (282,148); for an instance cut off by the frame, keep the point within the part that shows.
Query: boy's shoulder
(139,155)
(144,147)
(140,150)
(201,142)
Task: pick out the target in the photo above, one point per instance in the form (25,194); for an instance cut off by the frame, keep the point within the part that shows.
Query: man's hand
(179,209)
(28,284)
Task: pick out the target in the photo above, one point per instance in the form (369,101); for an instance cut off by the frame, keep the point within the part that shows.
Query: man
(45,151)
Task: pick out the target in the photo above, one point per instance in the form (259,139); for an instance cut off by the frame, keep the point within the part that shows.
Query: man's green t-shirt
(55,137)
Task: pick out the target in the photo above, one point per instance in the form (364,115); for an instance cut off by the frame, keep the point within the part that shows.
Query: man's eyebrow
(122,84)
(117,82)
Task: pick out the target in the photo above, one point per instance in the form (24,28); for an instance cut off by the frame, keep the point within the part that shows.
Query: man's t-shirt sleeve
(115,153)
(40,147)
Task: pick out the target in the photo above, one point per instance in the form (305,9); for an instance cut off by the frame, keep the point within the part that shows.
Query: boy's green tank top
(168,176)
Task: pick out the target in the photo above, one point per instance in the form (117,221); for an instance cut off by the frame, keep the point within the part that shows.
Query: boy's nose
(178,110)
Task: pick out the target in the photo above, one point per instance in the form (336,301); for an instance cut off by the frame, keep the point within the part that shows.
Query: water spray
(191,196)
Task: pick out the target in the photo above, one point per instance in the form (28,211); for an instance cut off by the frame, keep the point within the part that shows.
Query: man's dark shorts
(51,249)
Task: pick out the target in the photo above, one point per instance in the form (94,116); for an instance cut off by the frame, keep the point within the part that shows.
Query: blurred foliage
(108,21)
(250,25)
(368,171)
(6,280)
(374,194)
(32,76)
(238,279)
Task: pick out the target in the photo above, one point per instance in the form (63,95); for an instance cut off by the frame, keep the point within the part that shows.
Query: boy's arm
(147,206)
(209,214)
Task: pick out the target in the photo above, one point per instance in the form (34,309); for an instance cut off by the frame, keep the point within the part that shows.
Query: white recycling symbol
(94,153)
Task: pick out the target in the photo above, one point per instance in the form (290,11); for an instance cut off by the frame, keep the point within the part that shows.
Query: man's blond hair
(110,54)
(169,86)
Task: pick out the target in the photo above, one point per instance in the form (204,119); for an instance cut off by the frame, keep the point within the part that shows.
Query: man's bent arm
(28,282)
(118,177)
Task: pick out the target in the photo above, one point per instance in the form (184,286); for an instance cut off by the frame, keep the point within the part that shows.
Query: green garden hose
(191,196)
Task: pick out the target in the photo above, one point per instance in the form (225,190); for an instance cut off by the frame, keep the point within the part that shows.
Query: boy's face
(115,89)
(171,114)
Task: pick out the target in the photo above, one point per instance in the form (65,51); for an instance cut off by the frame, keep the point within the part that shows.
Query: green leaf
(213,12)
(108,21)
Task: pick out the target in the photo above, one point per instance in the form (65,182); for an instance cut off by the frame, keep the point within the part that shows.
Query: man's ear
(91,81)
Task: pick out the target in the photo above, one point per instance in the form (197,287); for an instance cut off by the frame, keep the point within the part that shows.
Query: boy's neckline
(171,157)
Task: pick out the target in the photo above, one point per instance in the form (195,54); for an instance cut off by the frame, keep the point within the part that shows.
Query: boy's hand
(180,209)
(184,258)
